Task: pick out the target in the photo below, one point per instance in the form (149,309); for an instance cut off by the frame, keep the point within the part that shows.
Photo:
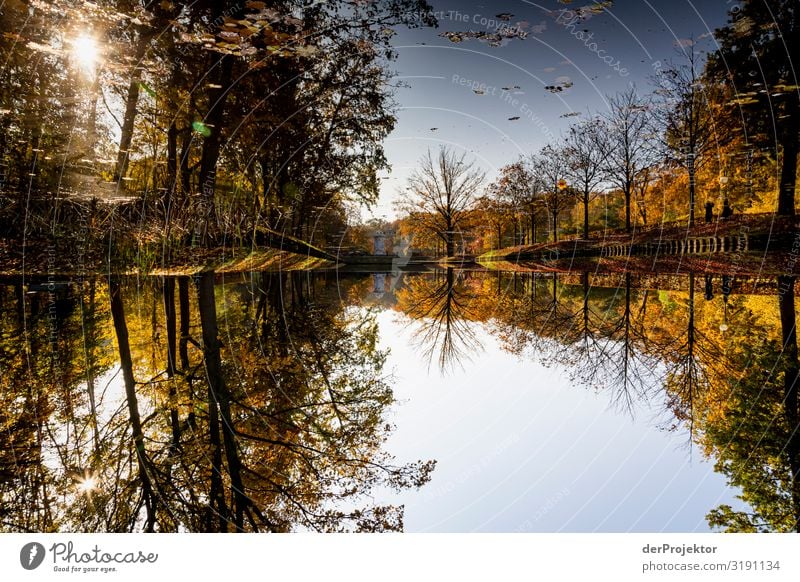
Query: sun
(86,53)
(87,484)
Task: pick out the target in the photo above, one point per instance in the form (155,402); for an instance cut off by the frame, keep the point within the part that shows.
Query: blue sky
(589,58)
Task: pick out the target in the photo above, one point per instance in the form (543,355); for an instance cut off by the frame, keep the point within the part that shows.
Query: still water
(445,400)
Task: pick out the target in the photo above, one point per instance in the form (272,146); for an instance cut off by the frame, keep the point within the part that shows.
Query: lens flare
(87,484)
(86,53)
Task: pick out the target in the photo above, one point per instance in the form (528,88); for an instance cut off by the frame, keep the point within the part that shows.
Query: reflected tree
(443,309)
(755,440)
(273,422)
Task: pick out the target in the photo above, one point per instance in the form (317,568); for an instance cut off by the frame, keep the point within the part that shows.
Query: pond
(451,400)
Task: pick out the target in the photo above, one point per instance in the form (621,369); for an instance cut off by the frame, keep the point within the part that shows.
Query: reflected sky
(521,448)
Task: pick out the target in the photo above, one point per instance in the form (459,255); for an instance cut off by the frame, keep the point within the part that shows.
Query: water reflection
(721,366)
(260,404)
(443,304)
(266,413)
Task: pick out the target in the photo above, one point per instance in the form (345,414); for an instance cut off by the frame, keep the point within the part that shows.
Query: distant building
(380,240)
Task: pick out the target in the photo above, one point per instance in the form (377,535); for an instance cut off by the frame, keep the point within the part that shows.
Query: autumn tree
(586,149)
(752,442)
(631,150)
(551,168)
(440,195)
(684,114)
(518,189)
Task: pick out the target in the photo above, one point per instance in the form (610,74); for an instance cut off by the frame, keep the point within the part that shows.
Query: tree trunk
(790,380)
(90,341)
(691,189)
(212,145)
(172,170)
(183,343)
(186,173)
(126,363)
(218,394)
(585,281)
(131,101)
(91,130)
(789,142)
(586,215)
(449,242)
(555,225)
(627,209)
(217,511)
(170,323)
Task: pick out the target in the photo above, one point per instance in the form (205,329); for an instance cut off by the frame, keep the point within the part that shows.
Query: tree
(753,443)
(440,194)
(551,168)
(631,148)
(493,216)
(756,63)
(685,116)
(587,150)
(518,190)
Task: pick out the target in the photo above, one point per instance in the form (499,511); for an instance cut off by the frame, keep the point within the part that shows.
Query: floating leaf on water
(201,128)
(515,118)
(452,36)
(306,50)
(147,89)
(504,16)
